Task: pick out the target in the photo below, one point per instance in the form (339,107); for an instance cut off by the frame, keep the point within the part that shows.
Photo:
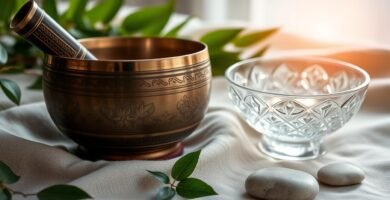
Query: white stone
(276,183)
(340,174)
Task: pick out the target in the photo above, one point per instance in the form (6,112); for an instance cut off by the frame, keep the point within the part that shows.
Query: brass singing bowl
(138,101)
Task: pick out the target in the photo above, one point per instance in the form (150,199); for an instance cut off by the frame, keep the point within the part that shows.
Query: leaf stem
(172,185)
(20,193)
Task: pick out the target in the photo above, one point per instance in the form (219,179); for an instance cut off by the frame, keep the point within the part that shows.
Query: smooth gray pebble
(340,174)
(279,183)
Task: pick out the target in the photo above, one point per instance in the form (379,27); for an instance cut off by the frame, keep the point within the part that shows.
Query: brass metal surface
(132,104)
(123,54)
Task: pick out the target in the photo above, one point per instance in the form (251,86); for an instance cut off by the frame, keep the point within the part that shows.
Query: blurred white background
(354,21)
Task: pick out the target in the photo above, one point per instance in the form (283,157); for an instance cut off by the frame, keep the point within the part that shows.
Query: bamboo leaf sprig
(182,184)
(58,192)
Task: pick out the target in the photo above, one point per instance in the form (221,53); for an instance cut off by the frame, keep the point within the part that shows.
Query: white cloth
(35,149)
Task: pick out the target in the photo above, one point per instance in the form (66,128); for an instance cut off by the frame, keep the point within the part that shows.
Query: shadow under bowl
(138,101)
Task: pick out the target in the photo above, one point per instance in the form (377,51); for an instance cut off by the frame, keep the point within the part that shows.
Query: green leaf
(175,30)
(7,7)
(63,192)
(5,194)
(221,60)
(104,11)
(162,177)
(217,39)
(150,21)
(3,55)
(11,90)
(184,167)
(37,85)
(191,188)
(80,32)
(50,7)
(12,70)
(166,193)
(113,31)
(19,4)
(253,38)
(21,46)
(260,52)
(75,10)
(7,175)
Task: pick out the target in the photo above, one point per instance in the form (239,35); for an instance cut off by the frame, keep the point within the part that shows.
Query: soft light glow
(356,21)
(322,31)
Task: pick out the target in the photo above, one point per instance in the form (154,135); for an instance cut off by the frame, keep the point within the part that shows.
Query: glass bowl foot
(291,150)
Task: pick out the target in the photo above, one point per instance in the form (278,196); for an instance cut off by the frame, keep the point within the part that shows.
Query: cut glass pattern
(339,82)
(288,116)
(255,104)
(350,107)
(314,78)
(295,106)
(281,77)
(311,81)
(288,109)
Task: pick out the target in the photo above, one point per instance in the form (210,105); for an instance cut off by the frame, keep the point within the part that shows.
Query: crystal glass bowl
(295,101)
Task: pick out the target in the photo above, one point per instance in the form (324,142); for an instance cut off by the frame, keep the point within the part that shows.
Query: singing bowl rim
(198,56)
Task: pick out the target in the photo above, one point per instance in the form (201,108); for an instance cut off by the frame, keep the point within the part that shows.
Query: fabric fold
(37,151)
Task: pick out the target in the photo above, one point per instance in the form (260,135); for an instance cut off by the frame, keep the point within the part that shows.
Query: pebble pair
(277,183)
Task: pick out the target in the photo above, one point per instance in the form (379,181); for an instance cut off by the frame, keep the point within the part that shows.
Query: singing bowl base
(165,153)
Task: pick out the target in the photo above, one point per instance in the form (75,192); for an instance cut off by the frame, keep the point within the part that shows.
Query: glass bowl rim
(364,84)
